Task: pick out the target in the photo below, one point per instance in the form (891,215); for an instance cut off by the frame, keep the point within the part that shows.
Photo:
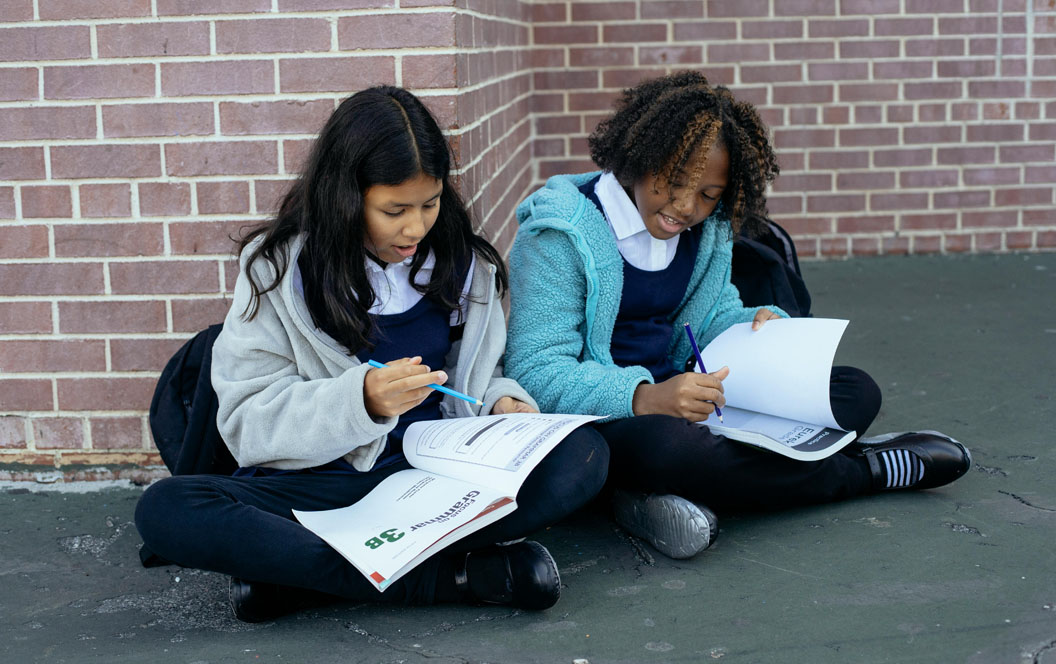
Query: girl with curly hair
(372,255)
(606,267)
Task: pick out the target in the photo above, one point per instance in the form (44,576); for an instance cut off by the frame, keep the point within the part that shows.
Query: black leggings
(664,454)
(243,526)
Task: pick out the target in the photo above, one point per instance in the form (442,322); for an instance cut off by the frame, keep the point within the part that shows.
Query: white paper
(782,369)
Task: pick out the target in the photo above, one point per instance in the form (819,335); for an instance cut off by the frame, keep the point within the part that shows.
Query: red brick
(704,31)
(106,161)
(1040,174)
(838,71)
(277,117)
(548,57)
(22,163)
(99,81)
(865,246)
(801,94)
(885,27)
(865,224)
(109,316)
(637,33)
(931,90)
(925,222)
(991,176)
(973,155)
(972,25)
(217,78)
(965,68)
(12,432)
(25,318)
(988,241)
(160,199)
(603,56)
(671,9)
(797,115)
(198,314)
(935,48)
(565,34)
(1027,153)
(807,225)
(139,120)
(65,10)
(1037,217)
(744,8)
(834,246)
(868,180)
(924,244)
(996,89)
(396,30)
(205,237)
(32,394)
(903,69)
(549,12)
(670,55)
(957,243)
(18,356)
(23,242)
(107,394)
(990,219)
(961,111)
(167,38)
(18,84)
(223,197)
(273,35)
(194,7)
(556,167)
(837,28)
(932,134)
(1032,196)
(591,101)
(868,137)
(51,433)
(221,158)
(268,195)
(51,279)
(798,51)
(611,11)
(803,182)
(806,8)
(48,122)
(1028,110)
(295,154)
(45,43)
(776,30)
(997,111)
(105,200)
(858,92)
(804,138)
(46,201)
(751,52)
(142,354)
(869,7)
(868,114)
(163,277)
(898,201)
(1019,240)
(869,49)
(929,179)
(785,205)
(626,78)
(1046,239)
(335,74)
(835,203)
(16,10)
(771,73)
(837,159)
(7,202)
(961,199)
(116,433)
(429,71)
(565,80)
(134,239)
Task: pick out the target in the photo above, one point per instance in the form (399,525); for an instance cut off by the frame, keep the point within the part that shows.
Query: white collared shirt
(634,241)
(393,293)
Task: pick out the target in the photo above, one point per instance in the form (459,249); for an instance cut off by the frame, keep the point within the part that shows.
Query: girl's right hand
(691,396)
(399,387)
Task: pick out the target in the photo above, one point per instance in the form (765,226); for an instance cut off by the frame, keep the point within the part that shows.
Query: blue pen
(700,361)
(439,388)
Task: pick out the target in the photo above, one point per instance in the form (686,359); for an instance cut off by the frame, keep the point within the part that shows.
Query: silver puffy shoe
(676,527)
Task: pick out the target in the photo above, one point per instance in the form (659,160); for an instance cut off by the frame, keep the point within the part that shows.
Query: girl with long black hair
(371,256)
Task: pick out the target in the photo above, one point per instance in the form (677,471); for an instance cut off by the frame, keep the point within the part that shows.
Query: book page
(781,369)
(496,450)
(405,519)
(798,440)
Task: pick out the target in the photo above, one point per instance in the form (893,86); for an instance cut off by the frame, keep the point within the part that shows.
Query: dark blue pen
(700,361)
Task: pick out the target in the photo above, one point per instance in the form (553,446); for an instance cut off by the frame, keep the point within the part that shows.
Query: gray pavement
(966,573)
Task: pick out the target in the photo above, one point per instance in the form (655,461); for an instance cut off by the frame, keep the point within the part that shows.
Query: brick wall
(138,134)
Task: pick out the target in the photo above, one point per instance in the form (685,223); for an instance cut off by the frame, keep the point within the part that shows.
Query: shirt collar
(405,264)
(618,207)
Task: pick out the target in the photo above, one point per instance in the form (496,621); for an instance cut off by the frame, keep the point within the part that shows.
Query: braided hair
(661,123)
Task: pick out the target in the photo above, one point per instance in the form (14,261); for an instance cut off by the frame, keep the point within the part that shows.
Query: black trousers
(243,526)
(664,454)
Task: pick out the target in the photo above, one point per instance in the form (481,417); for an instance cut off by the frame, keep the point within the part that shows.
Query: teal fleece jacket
(566,282)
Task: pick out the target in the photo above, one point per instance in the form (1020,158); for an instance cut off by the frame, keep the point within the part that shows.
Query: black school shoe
(523,575)
(254,601)
(944,458)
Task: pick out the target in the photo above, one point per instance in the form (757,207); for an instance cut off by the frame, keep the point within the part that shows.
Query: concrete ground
(965,573)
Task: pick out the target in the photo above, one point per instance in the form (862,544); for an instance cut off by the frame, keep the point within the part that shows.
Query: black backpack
(766,271)
(183,411)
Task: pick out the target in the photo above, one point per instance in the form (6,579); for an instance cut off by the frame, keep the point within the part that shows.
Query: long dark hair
(660,123)
(378,136)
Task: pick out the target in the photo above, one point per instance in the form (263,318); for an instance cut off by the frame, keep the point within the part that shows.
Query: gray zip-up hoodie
(291,397)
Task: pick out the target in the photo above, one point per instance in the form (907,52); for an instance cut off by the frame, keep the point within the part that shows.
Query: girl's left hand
(762,316)
(511,405)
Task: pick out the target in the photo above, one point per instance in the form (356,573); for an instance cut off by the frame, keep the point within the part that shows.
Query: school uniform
(594,304)
(291,410)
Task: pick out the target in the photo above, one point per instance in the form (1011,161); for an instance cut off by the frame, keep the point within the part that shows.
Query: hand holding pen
(395,388)
(700,360)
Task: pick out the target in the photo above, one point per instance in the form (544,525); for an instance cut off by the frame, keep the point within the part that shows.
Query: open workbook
(777,393)
(466,475)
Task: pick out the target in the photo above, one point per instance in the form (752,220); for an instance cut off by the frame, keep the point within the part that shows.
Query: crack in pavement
(1027,502)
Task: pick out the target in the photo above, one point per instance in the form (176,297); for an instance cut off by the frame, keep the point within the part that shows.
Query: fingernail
(441,377)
